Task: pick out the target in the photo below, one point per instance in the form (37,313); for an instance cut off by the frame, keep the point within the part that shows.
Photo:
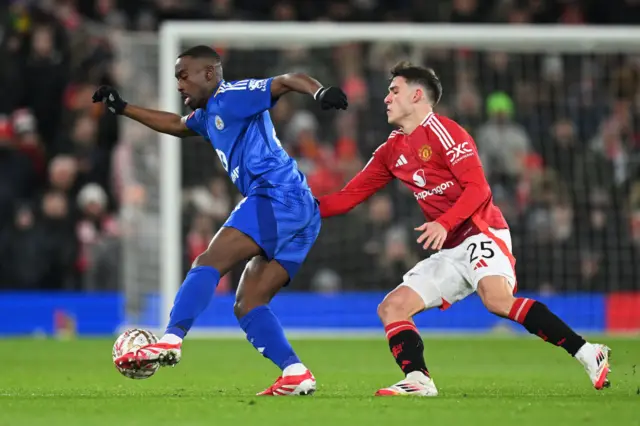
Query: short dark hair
(423,76)
(201,51)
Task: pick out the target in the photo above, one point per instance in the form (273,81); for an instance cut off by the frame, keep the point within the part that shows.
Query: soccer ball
(132,340)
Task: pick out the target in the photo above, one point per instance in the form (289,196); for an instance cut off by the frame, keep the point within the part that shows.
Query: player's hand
(433,235)
(111,99)
(331,98)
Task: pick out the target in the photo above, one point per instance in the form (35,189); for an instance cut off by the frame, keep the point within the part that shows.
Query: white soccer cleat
(595,359)
(415,384)
(165,354)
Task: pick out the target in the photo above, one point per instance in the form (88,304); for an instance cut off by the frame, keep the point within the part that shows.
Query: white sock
(585,354)
(172,339)
(296,369)
(418,376)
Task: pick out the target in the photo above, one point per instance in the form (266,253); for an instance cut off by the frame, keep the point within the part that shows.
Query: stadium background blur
(559,136)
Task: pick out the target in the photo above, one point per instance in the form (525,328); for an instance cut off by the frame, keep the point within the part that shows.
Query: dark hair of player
(425,77)
(205,52)
(201,51)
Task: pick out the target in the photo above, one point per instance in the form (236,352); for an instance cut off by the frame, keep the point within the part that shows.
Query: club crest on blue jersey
(219,123)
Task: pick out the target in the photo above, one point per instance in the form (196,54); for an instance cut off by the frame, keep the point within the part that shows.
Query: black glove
(331,97)
(111,99)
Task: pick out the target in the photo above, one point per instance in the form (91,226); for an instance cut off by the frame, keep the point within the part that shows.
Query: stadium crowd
(559,137)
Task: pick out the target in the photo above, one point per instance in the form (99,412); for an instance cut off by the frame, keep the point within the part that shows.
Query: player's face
(194,79)
(400,100)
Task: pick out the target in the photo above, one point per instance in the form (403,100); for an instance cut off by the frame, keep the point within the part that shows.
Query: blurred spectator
(564,155)
(284,11)
(11,79)
(615,142)
(45,77)
(634,207)
(17,175)
(502,143)
(199,236)
(347,160)
(39,253)
(387,243)
(214,201)
(58,223)
(29,142)
(326,281)
(24,253)
(97,232)
(468,108)
(63,174)
(466,11)
(496,73)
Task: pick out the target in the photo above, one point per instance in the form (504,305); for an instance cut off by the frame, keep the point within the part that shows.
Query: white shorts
(453,274)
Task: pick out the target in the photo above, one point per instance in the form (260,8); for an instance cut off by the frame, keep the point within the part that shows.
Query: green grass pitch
(482,381)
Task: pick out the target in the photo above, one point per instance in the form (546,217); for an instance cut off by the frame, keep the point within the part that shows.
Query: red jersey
(439,162)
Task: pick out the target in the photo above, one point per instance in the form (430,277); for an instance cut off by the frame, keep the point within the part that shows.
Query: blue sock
(192,299)
(266,334)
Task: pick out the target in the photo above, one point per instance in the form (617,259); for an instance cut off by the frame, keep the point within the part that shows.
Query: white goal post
(174,35)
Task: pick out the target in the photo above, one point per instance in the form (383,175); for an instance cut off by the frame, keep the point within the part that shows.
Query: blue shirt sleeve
(196,121)
(247,98)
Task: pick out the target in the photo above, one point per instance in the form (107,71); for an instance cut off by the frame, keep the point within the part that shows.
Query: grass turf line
(482,382)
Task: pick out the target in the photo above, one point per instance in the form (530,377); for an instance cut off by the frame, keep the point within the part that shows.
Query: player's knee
(496,294)
(400,305)
(240,308)
(498,304)
(244,305)
(393,308)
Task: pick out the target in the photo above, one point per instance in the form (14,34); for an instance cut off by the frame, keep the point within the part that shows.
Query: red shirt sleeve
(374,176)
(461,157)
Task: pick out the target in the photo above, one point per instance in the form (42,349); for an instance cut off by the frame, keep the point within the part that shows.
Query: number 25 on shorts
(486,252)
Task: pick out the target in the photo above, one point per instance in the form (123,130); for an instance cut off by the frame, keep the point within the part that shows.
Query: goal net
(553,110)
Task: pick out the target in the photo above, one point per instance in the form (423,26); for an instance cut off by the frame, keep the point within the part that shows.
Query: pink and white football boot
(595,359)
(292,385)
(415,384)
(163,353)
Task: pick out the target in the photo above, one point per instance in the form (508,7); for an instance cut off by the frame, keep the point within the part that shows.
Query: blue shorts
(284,223)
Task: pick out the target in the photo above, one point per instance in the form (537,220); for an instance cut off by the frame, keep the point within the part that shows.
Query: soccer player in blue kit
(273,227)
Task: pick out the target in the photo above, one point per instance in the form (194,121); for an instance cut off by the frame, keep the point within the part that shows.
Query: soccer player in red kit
(438,160)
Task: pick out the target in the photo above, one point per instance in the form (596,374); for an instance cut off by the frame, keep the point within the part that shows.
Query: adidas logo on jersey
(480,264)
(401,161)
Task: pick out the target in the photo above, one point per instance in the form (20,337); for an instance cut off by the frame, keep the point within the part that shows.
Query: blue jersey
(278,212)
(236,122)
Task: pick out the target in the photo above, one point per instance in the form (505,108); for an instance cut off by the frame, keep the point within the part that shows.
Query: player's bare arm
(160,121)
(329,97)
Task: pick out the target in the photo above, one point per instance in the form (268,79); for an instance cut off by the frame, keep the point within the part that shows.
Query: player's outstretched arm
(373,177)
(160,121)
(328,97)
